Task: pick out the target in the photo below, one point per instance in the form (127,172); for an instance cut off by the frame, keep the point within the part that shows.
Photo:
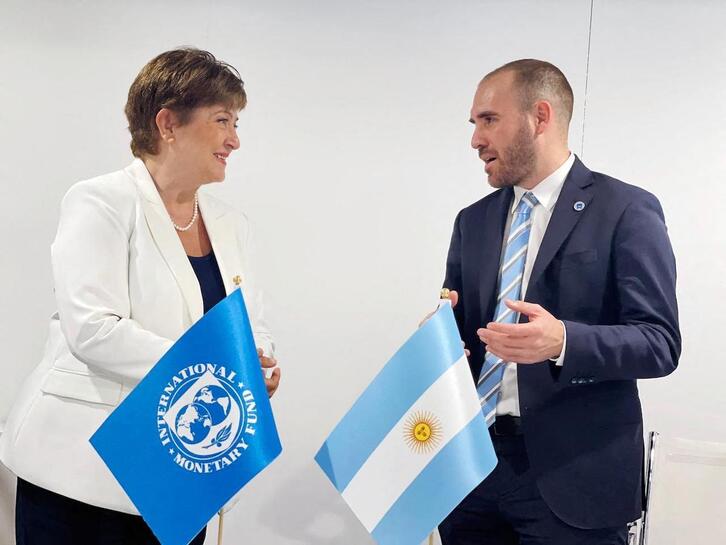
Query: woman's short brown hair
(180,80)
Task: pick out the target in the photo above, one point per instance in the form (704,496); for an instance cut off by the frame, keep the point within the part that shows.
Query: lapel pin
(579,206)
(237,280)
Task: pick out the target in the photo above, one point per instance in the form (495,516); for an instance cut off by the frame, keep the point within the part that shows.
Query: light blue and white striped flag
(415,443)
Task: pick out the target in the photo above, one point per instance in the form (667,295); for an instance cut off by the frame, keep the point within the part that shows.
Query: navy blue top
(210,279)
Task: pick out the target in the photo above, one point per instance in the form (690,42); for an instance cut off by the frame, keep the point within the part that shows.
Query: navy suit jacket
(609,274)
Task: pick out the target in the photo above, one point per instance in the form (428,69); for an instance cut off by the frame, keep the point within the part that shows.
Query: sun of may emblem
(422,431)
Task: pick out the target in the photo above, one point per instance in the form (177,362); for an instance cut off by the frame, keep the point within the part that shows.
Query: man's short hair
(540,80)
(180,80)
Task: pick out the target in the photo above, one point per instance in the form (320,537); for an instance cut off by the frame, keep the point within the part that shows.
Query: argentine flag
(415,443)
(196,429)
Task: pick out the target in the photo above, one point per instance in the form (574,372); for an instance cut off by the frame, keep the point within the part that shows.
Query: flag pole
(443,294)
(220,528)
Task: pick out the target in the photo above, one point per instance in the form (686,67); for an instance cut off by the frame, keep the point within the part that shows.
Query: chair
(685,493)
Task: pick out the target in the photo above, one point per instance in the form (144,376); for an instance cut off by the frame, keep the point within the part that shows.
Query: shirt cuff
(560,360)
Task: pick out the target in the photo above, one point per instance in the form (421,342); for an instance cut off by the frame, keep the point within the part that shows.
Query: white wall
(656,116)
(355,159)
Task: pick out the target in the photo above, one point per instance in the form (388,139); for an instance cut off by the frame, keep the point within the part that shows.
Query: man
(563,282)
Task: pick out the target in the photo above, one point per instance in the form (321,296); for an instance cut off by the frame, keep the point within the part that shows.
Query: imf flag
(196,429)
(415,443)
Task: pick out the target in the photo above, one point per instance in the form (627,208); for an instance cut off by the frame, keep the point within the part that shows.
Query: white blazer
(125,291)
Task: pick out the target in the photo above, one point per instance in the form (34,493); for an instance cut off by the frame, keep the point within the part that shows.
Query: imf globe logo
(209,408)
(206,418)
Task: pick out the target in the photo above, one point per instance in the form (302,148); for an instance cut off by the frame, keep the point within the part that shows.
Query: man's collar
(548,189)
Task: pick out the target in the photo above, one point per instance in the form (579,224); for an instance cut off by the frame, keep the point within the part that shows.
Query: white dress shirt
(547,192)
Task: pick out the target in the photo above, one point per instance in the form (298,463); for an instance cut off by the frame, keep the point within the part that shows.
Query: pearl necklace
(194,216)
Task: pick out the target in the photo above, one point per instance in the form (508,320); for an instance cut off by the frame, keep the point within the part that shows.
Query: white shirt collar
(548,189)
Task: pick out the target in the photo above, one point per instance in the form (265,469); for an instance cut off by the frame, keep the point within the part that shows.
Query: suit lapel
(221,229)
(490,247)
(166,239)
(576,189)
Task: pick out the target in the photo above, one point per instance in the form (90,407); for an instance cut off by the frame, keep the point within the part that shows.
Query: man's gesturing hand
(539,339)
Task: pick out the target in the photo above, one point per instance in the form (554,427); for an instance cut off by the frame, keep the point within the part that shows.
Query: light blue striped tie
(510,287)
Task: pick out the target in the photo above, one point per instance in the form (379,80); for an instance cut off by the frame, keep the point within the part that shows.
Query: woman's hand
(269,363)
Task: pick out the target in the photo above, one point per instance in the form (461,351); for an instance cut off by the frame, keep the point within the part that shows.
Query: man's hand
(539,339)
(268,363)
(454,298)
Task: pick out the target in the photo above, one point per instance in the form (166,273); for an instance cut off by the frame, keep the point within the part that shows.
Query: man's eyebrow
(482,115)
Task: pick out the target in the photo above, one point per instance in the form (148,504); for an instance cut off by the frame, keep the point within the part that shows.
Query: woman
(139,256)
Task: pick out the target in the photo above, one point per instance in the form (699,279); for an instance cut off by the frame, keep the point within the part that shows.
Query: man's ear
(166,123)
(543,116)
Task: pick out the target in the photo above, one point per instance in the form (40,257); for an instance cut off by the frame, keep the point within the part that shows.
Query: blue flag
(196,429)
(415,443)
